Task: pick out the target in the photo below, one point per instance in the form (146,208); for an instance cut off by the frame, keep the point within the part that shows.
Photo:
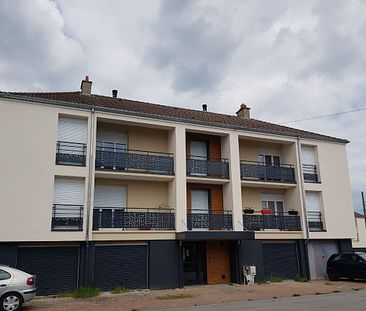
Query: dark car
(347,265)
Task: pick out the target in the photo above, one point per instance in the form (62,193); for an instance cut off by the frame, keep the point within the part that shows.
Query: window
(269,159)
(198,150)
(68,201)
(71,141)
(273,202)
(313,210)
(4,275)
(200,201)
(309,167)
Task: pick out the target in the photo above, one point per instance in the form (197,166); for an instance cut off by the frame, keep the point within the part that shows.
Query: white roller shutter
(68,194)
(312,200)
(308,155)
(198,149)
(199,201)
(109,196)
(72,130)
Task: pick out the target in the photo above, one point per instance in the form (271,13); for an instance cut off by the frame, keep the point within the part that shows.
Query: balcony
(310,173)
(315,221)
(251,170)
(133,218)
(213,220)
(204,167)
(277,221)
(68,153)
(67,217)
(120,159)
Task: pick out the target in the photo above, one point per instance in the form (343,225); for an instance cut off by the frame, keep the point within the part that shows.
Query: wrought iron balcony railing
(315,221)
(209,220)
(133,218)
(204,167)
(251,170)
(277,221)
(68,153)
(137,161)
(310,173)
(66,217)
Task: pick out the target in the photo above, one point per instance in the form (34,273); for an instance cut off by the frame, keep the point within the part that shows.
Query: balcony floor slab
(214,235)
(207,180)
(132,176)
(267,184)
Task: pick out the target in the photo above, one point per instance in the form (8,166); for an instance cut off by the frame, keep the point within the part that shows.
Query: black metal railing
(209,220)
(315,221)
(252,170)
(133,218)
(120,159)
(310,173)
(69,153)
(66,217)
(205,167)
(277,221)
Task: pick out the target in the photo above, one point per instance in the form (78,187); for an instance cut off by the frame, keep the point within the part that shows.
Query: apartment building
(359,242)
(106,192)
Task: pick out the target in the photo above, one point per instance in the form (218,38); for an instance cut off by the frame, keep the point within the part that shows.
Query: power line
(324,116)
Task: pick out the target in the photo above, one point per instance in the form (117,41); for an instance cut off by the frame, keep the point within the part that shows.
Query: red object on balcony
(266,211)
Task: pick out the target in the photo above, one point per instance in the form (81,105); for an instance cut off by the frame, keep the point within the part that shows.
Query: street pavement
(349,301)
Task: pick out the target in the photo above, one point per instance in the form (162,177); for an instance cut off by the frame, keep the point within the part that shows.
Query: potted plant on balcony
(248,210)
(293,212)
(266,211)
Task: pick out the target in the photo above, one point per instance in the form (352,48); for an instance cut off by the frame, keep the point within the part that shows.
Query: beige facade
(28,132)
(360,240)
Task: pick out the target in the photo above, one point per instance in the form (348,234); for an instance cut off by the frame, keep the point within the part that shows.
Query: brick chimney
(243,112)
(86,86)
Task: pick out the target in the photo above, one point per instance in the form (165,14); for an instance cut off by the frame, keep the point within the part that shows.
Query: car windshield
(362,255)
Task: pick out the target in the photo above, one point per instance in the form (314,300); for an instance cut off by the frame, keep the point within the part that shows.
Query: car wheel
(333,275)
(11,302)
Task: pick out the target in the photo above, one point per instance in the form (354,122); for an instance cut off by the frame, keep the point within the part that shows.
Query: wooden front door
(218,262)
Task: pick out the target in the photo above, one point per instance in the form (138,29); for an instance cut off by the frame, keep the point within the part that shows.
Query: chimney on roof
(204,107)
(114,93)
(86,86)
(243,112)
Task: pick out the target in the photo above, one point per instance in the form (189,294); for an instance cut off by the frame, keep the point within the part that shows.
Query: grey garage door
(120,265)
(56,268)
(280,259)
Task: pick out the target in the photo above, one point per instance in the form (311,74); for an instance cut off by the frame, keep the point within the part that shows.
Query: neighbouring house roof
(358,215)
(167,112)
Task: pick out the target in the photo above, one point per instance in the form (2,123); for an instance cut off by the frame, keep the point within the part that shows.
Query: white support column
(232,190)
(178,187)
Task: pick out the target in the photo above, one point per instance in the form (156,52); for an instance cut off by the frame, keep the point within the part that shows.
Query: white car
(16,287)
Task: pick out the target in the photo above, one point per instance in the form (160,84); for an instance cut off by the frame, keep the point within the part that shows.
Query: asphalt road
(352,301)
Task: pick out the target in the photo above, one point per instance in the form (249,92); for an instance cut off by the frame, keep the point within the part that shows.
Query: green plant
(262,282)
(276,279)
(299,278)
(84,292)
(119,290)
(174,296)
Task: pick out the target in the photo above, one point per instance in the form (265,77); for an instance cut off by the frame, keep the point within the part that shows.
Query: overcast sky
(287,60)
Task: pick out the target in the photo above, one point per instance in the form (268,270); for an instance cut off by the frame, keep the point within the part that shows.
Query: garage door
(280,259)
(124,266)
(56,268)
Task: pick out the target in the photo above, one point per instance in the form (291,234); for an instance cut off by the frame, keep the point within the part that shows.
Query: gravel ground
(203,294)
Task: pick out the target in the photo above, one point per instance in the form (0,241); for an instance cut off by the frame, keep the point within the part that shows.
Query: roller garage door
(120,265)
(56,268)
(280,259)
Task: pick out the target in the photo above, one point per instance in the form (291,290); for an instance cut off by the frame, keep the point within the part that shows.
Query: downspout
(88,205)
(301,184)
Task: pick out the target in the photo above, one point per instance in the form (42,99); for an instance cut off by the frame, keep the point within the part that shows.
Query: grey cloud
(190,46)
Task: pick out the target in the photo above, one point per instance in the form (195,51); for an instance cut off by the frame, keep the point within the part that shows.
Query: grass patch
(119,290)
(299,278)
(174,296)
(296,295)
(83,292)
(262,282)
(336,291)
(275,297)
(276,279)
(317,293)
(356,289)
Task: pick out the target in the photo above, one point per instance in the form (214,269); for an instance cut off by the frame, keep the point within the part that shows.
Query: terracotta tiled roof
(161,111)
